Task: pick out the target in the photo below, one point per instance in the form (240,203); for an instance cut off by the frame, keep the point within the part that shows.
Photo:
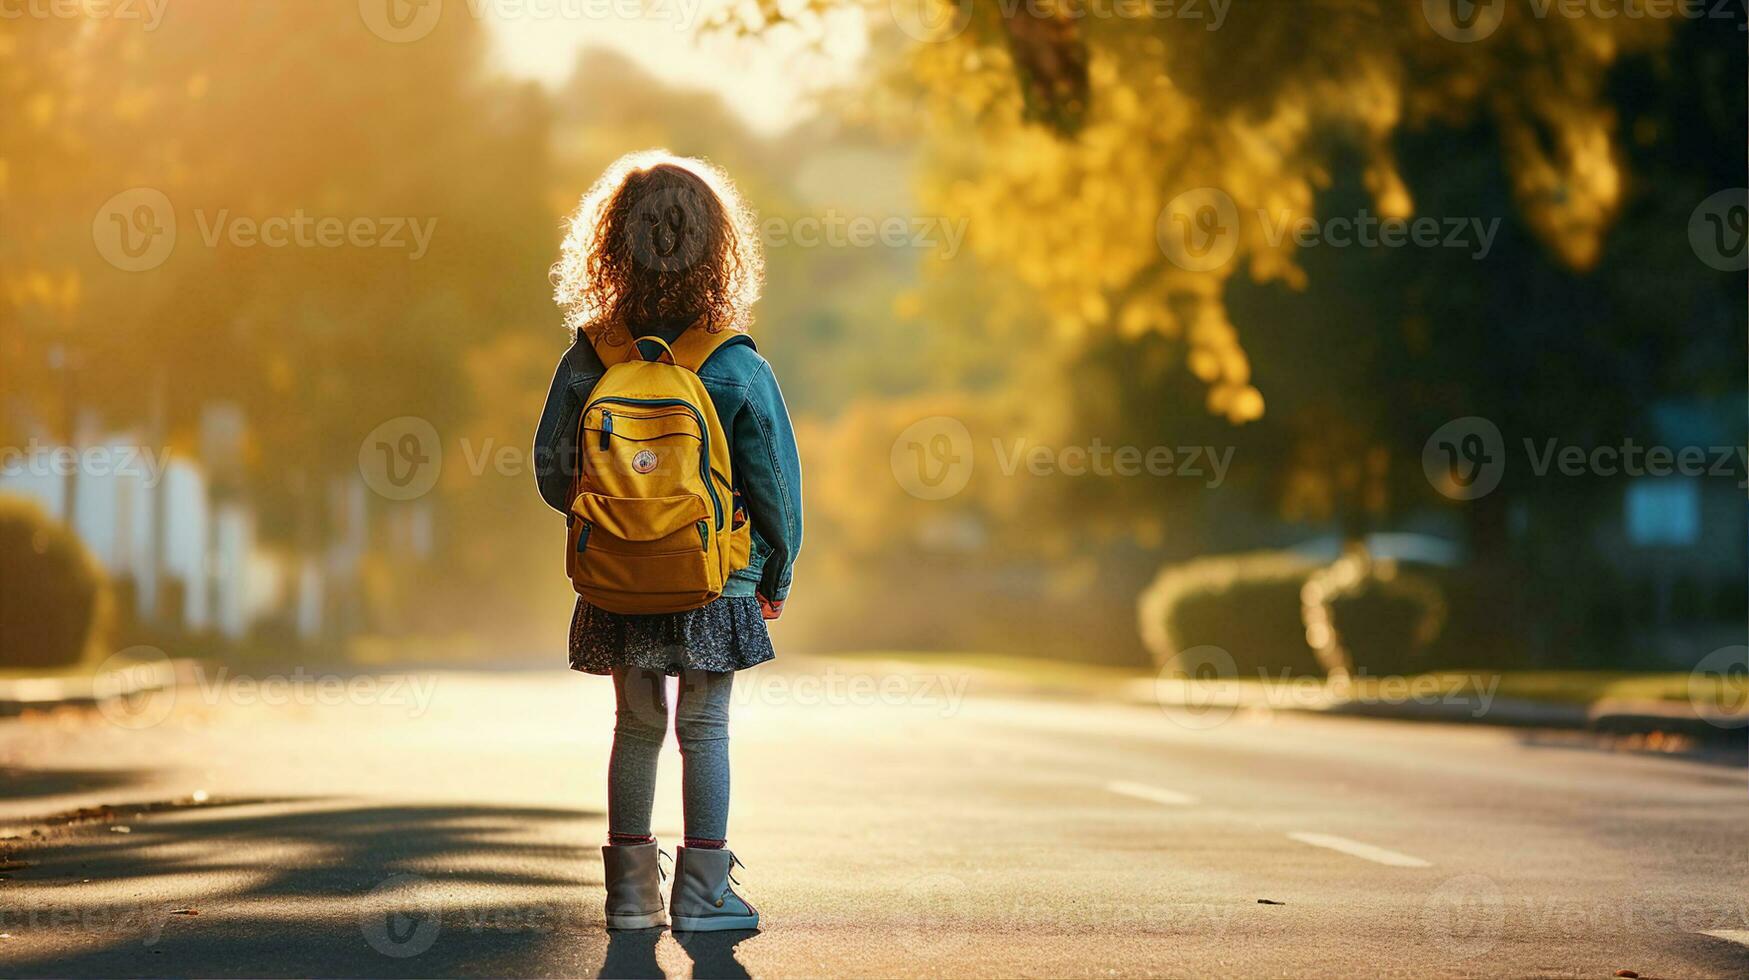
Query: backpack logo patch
(644,461)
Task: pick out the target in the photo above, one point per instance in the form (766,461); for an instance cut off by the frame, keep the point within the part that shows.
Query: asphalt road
(895,821)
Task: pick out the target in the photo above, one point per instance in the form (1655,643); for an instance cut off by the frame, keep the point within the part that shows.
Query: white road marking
(1154,794)
(1738,936)
(1354,848)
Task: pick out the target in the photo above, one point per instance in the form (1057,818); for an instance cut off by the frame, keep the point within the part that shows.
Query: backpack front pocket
(641,525)
(643,554)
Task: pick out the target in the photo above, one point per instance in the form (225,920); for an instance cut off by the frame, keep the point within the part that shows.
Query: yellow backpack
(653,526)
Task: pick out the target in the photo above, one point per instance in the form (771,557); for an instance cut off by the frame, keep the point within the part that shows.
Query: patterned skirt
(728,634)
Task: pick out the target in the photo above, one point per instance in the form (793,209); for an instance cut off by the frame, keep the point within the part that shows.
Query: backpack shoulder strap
(695,347)
(611,353)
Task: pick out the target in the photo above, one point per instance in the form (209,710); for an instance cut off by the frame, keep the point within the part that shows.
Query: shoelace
(733,861)
(663,854)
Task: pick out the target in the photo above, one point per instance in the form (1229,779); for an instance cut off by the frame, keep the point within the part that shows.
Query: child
(662,247)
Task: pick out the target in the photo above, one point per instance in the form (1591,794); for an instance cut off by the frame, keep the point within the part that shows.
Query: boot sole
(715,923)
(646,920)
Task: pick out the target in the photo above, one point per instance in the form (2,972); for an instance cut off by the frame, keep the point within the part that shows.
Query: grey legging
(701,723)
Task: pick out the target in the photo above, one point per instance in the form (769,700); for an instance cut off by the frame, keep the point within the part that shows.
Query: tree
(1073,182)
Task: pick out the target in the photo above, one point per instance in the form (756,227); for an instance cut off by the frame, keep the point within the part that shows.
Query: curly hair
(658,238)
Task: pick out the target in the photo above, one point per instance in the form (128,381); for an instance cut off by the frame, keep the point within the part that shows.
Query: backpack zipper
(704,448)
(606,427)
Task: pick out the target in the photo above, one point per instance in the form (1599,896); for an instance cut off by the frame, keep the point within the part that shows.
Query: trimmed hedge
(1251,606)
(52,592)
(1246,604)
(1372,616)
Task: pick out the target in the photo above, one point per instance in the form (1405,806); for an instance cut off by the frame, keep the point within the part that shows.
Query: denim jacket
(762,448)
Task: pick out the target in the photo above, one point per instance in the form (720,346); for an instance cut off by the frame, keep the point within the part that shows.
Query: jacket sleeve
(763,446)
(555,441)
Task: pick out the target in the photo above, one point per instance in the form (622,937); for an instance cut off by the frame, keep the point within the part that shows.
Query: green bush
(52,593)
(1246,604)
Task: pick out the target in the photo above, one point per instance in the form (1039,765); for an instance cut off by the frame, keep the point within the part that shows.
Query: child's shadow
(632,954)
(713,953)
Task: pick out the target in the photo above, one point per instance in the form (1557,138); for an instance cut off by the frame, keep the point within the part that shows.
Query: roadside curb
(1610,716)
(81,691)
(1617,716)
(1507,712)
